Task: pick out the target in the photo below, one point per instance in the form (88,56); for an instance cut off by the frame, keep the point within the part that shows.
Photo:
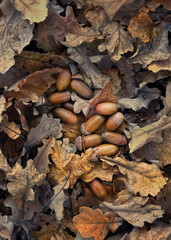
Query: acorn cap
(79,143)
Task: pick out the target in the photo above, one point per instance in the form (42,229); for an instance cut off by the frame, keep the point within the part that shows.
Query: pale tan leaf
(6,227)
(22,181)
(10,128)
(41,161)
(117,41)
(151,132)
(3,163)
(2,106)
(15,33)
(59,198)
(34,11)
(135,210)
(143,178)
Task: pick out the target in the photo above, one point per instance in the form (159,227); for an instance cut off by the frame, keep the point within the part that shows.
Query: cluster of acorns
(88,139)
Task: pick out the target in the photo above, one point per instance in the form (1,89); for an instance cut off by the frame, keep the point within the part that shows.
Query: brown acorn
(60,97)
(84,142)
(106,108)
(65,115)
(97,188)
(81,88)
(114,138)
(63,80)
(92,124)
(114,121)
(105,149)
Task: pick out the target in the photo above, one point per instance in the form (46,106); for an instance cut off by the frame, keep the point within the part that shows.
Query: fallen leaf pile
(50,188)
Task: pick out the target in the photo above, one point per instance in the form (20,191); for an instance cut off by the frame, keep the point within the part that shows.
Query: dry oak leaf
(90,70)
(144,96)
(134,210)
(6,227)
(48,127)
(156,49)
(34,11)
(148,133)
(91,223)
(141,27)
(117,41)
(22,181)
(65,29)
(143,178)
(159,231)
(10,128)
(160,65)
(156,3)
(36,61)
(33,86)
(105,174)
(110,6)
(15,33)
(158,151)
(58,202)
(41,161)
(166,101)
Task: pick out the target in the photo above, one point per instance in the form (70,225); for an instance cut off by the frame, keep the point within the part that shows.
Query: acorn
(114,138)
(106,108)
(60,97)
(92,124)
(84,142)
(105,150)
(69,106)
(65,115)
(81,88)
(97,188)
(63,80)
(114,121)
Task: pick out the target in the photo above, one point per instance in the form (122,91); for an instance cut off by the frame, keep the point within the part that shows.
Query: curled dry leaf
(158,231)
(48,127)
(134,210)
(143,178)
(153,4)
(91,223)
(41,161)
(3,163)
(6,227)
(33,86)
(156,49)
(22,181)
(110,6)
(166,102)
(65,29)
(33,11)
(160,65)
(117,41)
(91,71)
(144,96)
(58,202)
(141,27)
(105,174)
(151,132)
(15,32)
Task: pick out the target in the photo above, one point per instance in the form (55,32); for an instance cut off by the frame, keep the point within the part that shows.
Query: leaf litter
(122,52)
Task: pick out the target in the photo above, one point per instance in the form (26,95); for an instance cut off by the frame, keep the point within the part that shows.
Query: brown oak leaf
(143,178)
(15,33)
(3,163)
(160,65)
(33,86)
(141,27)
(22,180)
(134,210)
(91,223)
(153,4)
(64,29)
(2,106)
(110,6)
(117,41)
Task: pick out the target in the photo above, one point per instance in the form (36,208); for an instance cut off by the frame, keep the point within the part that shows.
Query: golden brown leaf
(143,178)
(91,223)
(10,128)
(141,27)
(2,106)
